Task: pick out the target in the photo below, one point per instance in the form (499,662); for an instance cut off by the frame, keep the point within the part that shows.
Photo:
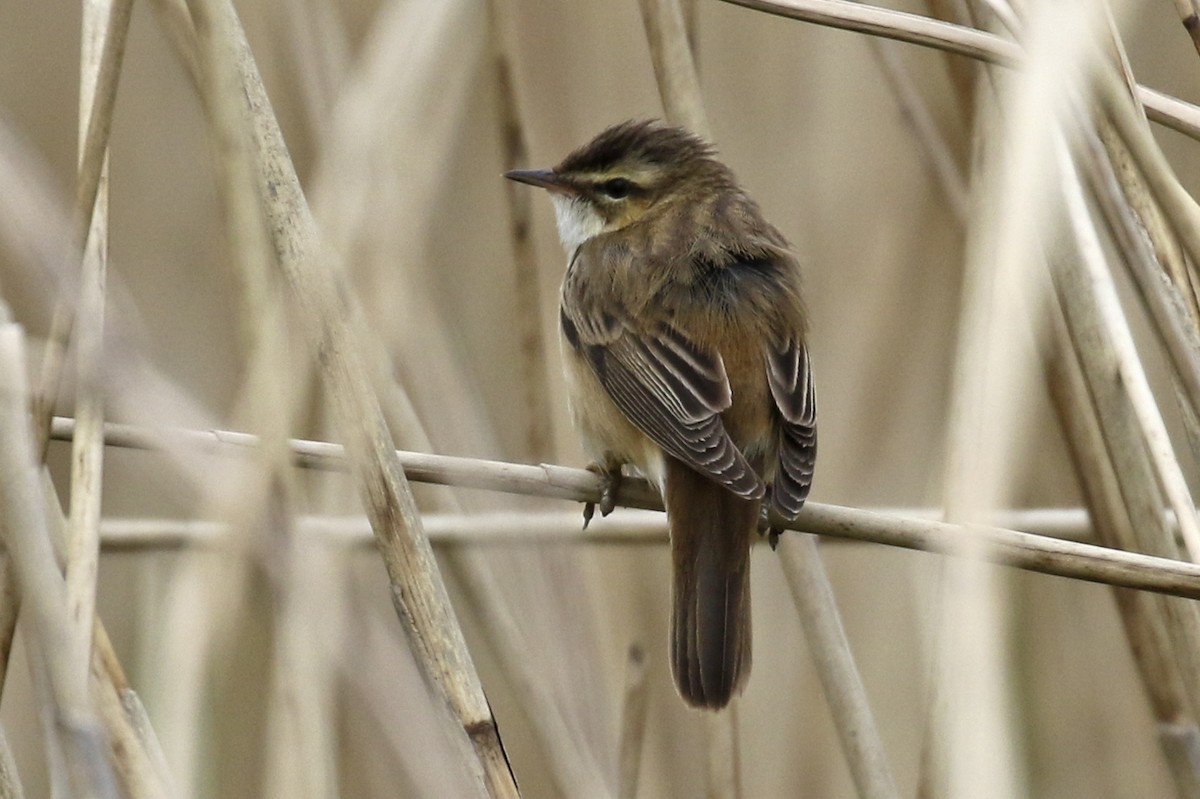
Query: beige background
(392,121)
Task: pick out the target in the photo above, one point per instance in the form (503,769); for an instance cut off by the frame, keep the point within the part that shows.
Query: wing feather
(789,374)
(670,388)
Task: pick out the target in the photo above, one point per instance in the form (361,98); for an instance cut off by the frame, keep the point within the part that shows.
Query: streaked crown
(628,169)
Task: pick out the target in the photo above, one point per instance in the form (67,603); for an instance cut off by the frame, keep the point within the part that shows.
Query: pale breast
(604,429)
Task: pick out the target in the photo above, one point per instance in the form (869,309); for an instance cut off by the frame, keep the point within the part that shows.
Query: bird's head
(622,175)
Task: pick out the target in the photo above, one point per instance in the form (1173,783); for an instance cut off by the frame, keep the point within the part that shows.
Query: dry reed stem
(87,450)
(10,781)
(153,770)
(1102,300)
(528,528)
(27,538)
(58,775)
(835,666)
(418,593)
(674,69)
(1180,208)
(570,760)
(527,311)
(136,756)
(301,753)
(1143,616)
(632,735)
(1009,547)
(975,752)
(898,25)
(1189,15)
(570,756)
(1125,444)
(571,765)
(94,148)
(299,746)
(132,741)
(1130,214)
(1167,246)
(926,32)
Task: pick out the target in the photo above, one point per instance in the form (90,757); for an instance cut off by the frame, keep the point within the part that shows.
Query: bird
(684,345)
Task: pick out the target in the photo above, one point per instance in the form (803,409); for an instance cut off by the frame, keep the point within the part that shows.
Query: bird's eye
(616,188)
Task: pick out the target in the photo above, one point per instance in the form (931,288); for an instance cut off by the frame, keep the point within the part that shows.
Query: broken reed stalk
(87,450)
(835,665)
(418,593)
(926,32)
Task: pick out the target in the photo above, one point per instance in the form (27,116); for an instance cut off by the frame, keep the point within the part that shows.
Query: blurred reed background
(250,644)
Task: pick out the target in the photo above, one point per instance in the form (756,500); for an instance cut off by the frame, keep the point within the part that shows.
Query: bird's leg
(768,522)
(609,473)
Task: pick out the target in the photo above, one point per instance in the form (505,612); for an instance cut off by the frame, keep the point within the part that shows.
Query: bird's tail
(711,532)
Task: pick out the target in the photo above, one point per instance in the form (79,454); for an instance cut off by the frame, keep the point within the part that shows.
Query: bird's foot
(610,483)
(768,522)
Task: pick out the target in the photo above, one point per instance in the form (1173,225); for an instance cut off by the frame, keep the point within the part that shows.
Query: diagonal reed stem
(418,593)
(830,649)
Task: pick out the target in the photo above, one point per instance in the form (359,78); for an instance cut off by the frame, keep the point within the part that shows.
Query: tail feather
(711,531)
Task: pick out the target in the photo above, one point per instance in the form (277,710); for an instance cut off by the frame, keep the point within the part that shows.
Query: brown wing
(789,374)
(668,387)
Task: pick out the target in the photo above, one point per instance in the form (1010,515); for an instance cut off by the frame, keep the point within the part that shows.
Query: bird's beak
(543,178)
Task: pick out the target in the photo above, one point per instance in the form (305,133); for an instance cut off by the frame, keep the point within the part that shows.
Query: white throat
(577,221)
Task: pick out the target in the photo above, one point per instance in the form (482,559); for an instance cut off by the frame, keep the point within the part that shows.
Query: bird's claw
(767,525)
(610,483)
